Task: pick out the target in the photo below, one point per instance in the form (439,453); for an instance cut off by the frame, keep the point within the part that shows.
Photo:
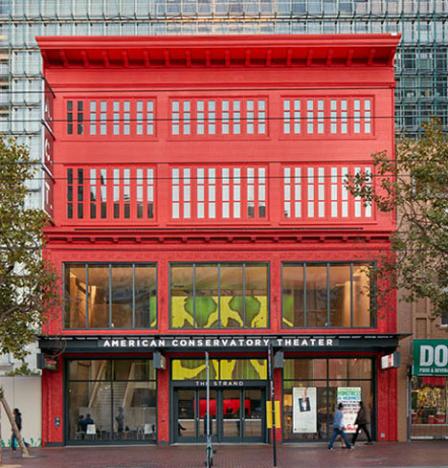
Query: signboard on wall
(350,398)
(430,357)
(304,410)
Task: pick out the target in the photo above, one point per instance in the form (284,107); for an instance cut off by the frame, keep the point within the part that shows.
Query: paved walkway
(415,454)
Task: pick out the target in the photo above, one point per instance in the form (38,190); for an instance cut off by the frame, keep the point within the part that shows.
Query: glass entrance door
(237,415)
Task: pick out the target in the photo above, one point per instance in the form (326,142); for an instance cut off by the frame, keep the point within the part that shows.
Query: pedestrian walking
(338,428)
(18,421)
(361,424)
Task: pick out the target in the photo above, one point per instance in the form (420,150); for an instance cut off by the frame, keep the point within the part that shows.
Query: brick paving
(414,454)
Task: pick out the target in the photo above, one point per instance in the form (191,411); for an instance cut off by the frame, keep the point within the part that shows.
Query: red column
(387,404)
(53,406)
(163,406)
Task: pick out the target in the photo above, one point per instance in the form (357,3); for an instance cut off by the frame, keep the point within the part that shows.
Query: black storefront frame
(192,385)
(66,382)
(373,380)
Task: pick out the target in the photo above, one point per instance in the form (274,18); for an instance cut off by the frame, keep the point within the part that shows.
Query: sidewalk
(414,454)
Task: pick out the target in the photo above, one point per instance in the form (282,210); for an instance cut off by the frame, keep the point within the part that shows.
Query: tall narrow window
(69,117)
(236,117)
(357,116)
(358,200)
(200,192)
(261,117)
(236,193)
(333,117)
(69,193)
(92,106)
(286,116)
(250,116)
(175,115)
(127,193)
(116,116)
(187,193)
(297,129)
(310,192)
(126,118)
(80,118)
(250,192)
(93,193)
(344,116)
(287,192)
(116,193)
(320,116)
(225,117)
(298,192)
(200,116)
(212,193)
(211,117)
(334,192)
(139,117)
(150,193)
(175,195)
(262,192)
(344,192)
(368,205)
(225,192)
(321,191)
(139,193)
(149,117)
(310,116)
(367,116)
(186,118)
(80,193)
(103,117)
(103,192)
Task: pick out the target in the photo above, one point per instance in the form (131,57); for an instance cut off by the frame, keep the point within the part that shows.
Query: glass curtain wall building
(421,66)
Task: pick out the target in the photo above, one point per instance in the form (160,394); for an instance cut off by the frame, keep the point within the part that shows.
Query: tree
(27,282)
(415,186)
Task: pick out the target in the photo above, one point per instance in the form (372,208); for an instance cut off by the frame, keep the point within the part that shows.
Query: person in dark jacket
(361,423)
(18,421)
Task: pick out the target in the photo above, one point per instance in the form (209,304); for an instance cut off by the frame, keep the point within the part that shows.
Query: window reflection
(219,296)
(113,296)
(326,295)
(220,369)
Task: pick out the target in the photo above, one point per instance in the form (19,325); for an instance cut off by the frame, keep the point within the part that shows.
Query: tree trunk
(23,447)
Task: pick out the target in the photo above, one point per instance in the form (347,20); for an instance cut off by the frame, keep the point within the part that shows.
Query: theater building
(196,187)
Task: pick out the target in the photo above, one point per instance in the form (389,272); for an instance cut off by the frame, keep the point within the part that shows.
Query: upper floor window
(230,295)
(329,116)
(110,295)
(233,117)
(327,295)
(110,117)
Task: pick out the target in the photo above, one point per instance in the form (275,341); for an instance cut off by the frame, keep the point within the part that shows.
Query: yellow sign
(269,414)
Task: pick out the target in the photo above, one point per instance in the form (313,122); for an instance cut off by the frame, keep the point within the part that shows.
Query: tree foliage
(414,185)
(27,282)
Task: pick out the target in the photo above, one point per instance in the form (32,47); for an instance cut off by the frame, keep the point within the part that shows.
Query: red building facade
(196,187)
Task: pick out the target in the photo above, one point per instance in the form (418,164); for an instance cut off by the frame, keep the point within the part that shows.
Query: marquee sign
(218,342)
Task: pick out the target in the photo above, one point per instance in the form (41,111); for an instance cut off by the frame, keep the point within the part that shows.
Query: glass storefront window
(110,296)
(429,403)
(111,400)
(326,295)
(219,296)
(326,376)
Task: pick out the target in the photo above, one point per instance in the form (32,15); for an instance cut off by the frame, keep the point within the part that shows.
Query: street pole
(271,383)
(209,448)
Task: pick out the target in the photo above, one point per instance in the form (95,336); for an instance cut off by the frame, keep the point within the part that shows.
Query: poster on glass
(350,397)
(304,410)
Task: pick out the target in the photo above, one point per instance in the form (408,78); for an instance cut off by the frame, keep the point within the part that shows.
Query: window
(327,295)
(324,377)
(110,296)
(110,400)
(210,296)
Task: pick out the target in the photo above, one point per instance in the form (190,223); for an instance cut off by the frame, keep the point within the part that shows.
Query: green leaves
(27,282)
(415,186)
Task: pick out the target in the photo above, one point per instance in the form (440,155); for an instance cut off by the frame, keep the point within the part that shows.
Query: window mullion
(86,271)
(110,295)
(244,295)
(305,303)
(194,295)
(352,298)
(133,296)
(219,295)
(328,296)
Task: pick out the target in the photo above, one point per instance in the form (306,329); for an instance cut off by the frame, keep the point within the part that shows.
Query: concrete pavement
(413,454)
